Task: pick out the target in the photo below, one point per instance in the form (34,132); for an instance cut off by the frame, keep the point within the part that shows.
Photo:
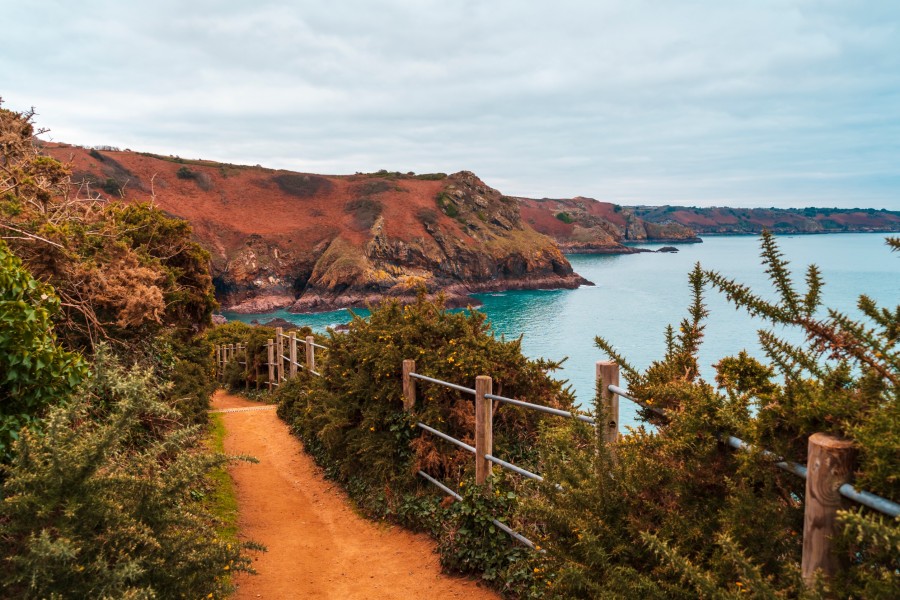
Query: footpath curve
(318,547)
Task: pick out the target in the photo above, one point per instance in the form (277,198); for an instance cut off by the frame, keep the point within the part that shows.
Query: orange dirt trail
(318,547)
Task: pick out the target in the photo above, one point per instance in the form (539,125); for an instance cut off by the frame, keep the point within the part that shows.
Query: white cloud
(644,101)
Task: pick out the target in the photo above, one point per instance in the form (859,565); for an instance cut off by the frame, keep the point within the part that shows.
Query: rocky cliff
(585,225)
(725,220)
(312,242)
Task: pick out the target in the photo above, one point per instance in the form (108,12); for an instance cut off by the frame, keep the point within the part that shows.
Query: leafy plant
(35,372)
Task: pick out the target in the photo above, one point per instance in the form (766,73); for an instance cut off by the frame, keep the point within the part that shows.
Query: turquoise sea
(637,295)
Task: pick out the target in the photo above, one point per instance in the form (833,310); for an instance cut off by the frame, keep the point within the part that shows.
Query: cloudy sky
(700,102)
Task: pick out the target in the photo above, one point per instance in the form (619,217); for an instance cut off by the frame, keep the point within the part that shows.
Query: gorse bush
(104,503)
(123,271)
(355,410)
(352,420)
(103,490)
(35,371)
(673,513)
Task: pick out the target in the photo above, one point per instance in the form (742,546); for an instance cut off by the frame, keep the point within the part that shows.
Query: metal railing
(873,501)
(544,409)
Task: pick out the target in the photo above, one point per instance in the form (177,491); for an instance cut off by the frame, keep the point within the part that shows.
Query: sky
(783,103)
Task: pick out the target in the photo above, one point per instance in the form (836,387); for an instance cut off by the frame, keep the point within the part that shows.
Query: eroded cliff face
(308,242)
(585,225)
(470,239)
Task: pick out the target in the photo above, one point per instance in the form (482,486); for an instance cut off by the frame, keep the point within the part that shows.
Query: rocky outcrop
(584,225)
(473,239)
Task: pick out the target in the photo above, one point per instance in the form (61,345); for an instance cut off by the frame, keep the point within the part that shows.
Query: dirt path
(318,546)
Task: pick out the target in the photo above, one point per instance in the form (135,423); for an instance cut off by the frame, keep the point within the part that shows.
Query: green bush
(35,372)
(565,217)
(107,502)
(352,422)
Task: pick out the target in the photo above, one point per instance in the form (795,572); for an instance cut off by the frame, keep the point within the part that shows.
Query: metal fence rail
(873,501)
(500,525)
(446,437)
(514,468)
(545,409)
(453,386)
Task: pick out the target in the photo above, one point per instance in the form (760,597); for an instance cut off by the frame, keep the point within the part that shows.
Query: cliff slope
(585,225)
(315,242)
(722,220)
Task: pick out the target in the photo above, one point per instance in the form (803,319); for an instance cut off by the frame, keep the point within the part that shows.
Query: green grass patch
(222,498)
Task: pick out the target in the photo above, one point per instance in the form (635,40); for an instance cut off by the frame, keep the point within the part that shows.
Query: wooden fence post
(293,354)
(310,354)
(230,352)
(246,368)
(279,354)
(607,375)
(271,347)
(218,362)
(484,435)
(829,465)
(409,385)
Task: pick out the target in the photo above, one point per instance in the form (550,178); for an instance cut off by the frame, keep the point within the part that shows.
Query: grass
(222,500)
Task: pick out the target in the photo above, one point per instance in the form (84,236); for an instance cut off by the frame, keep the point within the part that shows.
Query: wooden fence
(280,366)
(829,468)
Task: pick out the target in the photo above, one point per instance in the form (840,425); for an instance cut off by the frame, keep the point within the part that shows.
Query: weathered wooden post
(271,347)
(218,362)
(310,354)
(246,368)
(484,434)
(230,353)
(279,354)
(293,354)
(409,385)
(607,375)
(829,465)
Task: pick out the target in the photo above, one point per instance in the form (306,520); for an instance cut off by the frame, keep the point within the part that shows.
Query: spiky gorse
(106,501)
(353,422)
(673,513)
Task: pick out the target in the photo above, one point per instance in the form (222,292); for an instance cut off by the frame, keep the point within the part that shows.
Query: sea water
(637,295)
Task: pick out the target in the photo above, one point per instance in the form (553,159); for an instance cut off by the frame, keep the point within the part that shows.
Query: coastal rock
(586,226)
(261,304)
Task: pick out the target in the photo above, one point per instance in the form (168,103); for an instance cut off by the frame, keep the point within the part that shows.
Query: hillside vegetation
(317,242)
(104,390)
(585,225)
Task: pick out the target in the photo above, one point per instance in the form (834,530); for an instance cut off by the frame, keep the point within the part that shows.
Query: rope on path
(245,409)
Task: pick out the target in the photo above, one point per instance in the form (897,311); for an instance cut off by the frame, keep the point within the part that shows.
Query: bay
(637,295)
